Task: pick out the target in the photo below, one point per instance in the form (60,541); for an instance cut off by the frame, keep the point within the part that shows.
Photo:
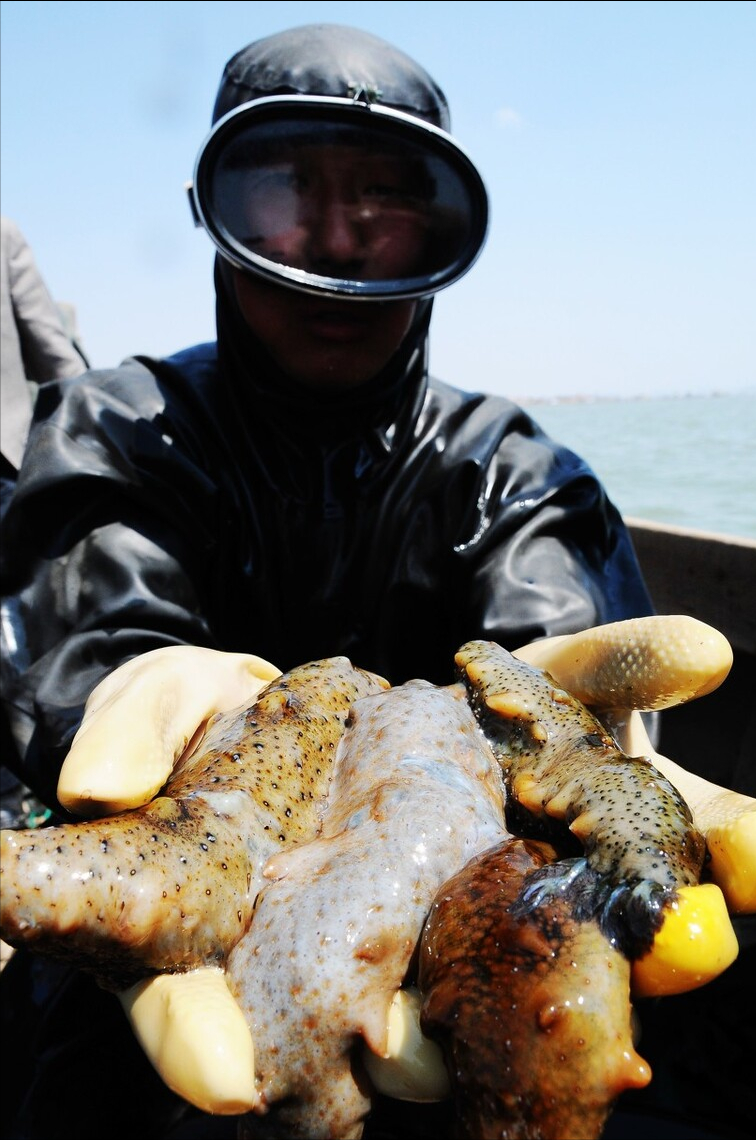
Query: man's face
(342,211)
(347,210)
(319,342)
(364,204)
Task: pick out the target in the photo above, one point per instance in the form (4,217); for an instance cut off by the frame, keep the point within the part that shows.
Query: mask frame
(363,119)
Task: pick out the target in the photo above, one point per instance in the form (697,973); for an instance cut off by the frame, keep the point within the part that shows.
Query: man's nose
(335,234)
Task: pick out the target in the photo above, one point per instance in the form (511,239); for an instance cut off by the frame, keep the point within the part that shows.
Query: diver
(299,488)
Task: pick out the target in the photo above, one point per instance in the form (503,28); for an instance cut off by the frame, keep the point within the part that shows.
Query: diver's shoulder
(480,410)
(141,378)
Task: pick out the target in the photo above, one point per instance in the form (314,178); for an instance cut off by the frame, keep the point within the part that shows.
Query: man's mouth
(338,324)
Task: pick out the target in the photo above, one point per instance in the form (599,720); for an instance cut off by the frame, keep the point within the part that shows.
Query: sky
(617,142)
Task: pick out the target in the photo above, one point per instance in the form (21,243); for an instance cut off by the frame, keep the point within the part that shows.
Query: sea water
(689,460)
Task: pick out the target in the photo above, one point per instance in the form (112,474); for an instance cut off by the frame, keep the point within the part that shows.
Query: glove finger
(654,663)
(195,1035)
(642,663)
(140,719)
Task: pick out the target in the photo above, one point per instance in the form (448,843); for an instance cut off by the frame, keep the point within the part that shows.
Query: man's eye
(274,181)
(384,190)
(391,195)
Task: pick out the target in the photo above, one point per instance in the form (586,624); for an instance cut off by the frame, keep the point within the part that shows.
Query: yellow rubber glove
(144,716)
(137,723)
(654,663)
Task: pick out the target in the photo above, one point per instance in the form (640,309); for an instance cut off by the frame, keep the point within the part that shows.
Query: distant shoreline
(531,401)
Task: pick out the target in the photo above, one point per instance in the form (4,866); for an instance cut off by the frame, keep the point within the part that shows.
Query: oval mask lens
(344,199)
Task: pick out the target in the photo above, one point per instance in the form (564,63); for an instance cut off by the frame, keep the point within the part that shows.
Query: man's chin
(334,379)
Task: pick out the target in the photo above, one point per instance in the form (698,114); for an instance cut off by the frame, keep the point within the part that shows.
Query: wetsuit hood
(329,59)
(329,114)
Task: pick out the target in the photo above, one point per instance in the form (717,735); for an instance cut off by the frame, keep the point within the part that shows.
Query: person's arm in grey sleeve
(46,349)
